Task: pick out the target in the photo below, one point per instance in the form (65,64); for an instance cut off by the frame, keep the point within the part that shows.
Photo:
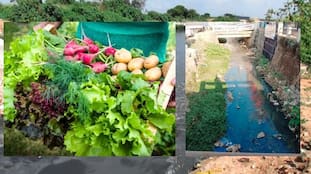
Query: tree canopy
(100,10)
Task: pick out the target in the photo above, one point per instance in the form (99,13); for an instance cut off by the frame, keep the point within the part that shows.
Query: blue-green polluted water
(250,112)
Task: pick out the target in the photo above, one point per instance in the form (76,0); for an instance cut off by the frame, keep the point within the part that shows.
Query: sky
(251,8)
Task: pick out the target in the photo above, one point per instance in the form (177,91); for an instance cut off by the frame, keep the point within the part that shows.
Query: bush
(295,117)
(263,62)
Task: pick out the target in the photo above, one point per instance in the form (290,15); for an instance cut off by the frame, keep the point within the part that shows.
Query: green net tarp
(147,36)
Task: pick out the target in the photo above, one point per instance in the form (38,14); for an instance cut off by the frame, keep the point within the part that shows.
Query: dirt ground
(299,164)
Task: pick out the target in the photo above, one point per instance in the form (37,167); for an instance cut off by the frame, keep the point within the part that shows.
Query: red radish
(99,67)
(69,51)
(88,41)
(71,43)
(78,56)
(87,58)
(81,49)
(93,48)
(110,51)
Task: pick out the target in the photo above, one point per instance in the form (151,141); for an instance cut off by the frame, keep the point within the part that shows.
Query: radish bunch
(86,52)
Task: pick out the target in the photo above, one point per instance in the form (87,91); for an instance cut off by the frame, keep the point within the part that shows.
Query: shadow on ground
(206,117)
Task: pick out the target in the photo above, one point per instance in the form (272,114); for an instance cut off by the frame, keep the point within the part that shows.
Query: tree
(206,15)
(60,1)
(192,14)
(140,4)
(178,12)
(299,11)
(269,14)
(303,16)
(229,15)
(157,16)
(289,10)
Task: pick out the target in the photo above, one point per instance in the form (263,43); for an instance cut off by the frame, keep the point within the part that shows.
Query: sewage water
(250,112)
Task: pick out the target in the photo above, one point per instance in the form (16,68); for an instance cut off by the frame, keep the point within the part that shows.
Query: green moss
(15,143)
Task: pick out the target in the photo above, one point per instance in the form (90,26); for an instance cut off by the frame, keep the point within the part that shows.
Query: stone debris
(234,148)
(243,160)
(278,136)
(230,96)
(219,144)
(261,135)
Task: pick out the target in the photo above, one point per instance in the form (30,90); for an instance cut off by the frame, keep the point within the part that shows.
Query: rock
(301,166)
(261,135)
(261,112)
(242,160)
(293,103)
(238,107)
(250,53)
(260,121)
(271,99)
(290,163)
(293,129)
(277,136)
(275,103)
(197,165)
(299,159)
(220,77)
(7,164)
(234,148)
(229,95)
(219,144)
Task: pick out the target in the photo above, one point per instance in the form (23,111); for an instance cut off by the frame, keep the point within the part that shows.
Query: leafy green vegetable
(118,123)
(61,74)
(107,116)
(25,52)
(135,52)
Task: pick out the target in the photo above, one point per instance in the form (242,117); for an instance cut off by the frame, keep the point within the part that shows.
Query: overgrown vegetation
(263,62)
(263,67)
(295,120)
(106,10)
(206,118)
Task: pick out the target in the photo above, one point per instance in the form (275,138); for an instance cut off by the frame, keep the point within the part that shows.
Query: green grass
(216,51)
(216,62)
(206,119)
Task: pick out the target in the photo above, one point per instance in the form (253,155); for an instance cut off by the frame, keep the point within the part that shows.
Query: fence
(274,30)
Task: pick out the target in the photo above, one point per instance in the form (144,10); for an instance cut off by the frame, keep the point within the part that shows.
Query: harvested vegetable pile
(78,95)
